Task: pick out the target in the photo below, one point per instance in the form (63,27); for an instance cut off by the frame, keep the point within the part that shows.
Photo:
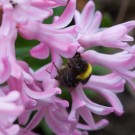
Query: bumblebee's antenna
(55,65)
(48,71)
(57,68)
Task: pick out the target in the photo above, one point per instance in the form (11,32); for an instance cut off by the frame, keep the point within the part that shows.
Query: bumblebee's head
(77,63)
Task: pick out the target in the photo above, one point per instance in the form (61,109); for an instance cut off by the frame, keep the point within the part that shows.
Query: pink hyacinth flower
(54,38)
(84,107)
(108,86)
(91,35)
(51,108)
(22,11)
(8,35)
(24,91)
(49,3)
(9,111)
(121,63)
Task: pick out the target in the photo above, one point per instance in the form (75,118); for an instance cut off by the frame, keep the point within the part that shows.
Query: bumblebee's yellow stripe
(85,74)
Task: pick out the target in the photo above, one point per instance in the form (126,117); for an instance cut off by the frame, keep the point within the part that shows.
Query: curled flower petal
(60,123)
(87,14)
(35,120)
(111,81)
(43,75)
(110,97)
(40,51)
(78,132)
(130,25)
(5,70)
(9,110)
(96,108)
(111,37)
(99,125)
(13,130)
(14,95)
(42,95)
(64,44)
(61,2)
(67,15)
(83,106)
(23,119)
(123,60)
(121,63)
(22,132)
(44,4)
(90,34)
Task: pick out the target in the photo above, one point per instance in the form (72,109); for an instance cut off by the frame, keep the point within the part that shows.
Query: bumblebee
(74,72)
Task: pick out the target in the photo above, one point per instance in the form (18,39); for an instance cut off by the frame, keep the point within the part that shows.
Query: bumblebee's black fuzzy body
(75,71)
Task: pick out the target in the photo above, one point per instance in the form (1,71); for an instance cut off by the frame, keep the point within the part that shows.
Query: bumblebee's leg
(69,65)
(68,79)
(72,63)
(57,77)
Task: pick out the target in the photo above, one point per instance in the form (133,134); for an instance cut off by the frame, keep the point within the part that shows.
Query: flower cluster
(24,91)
